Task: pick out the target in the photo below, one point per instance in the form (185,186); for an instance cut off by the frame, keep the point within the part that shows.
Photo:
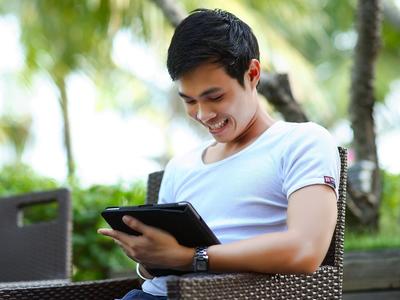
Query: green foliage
(388,235)
(390,206)
(50,46)
(39,212)
(371,240)
(94,256)
(18,179)
(15,131)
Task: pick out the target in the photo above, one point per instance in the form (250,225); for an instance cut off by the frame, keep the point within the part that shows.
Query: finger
(118,235)
(122,245)
(128,250)
(136,225)
(107,232)
(104,231)
(119,243)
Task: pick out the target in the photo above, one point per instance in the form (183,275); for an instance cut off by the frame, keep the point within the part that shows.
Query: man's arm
(312,214)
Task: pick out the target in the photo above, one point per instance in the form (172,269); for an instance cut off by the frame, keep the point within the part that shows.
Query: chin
(222,139)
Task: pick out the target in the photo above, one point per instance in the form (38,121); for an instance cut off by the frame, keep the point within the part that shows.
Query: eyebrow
(203,94)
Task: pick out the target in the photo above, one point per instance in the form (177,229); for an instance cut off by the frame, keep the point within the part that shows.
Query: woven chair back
(40,250)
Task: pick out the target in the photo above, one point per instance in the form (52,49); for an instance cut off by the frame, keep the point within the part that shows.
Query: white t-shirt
(246,194)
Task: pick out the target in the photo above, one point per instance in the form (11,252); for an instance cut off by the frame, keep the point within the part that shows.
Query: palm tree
(15,132)
(64,37)
(55,38)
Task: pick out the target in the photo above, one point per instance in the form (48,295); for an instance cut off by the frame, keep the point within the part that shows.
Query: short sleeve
(311,158)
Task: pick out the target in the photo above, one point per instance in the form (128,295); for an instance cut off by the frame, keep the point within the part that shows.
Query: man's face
(218,101)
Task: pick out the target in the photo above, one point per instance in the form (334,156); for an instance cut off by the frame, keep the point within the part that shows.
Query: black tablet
(180,219)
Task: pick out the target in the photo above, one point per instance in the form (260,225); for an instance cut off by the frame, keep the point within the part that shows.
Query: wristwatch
(200,260)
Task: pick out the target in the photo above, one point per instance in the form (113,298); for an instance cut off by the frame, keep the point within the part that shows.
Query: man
(266,188)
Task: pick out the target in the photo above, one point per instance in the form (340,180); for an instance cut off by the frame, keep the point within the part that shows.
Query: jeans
(140,295)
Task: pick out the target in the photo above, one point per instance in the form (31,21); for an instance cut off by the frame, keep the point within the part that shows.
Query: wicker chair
(39,251)
(35,260)
(85,290)
(325,283)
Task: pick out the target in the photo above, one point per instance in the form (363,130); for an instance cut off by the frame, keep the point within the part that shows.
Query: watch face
(201,265)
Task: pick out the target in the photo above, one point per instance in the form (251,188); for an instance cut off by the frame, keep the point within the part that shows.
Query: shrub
(94,255)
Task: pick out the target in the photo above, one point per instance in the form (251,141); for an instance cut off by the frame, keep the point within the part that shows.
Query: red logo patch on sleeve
(330,180)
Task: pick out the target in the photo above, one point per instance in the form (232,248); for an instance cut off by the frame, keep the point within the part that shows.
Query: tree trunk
(274,87)
(364,177)
(172,11)
(67,130)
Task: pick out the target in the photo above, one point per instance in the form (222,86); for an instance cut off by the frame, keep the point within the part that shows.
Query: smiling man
(266,188)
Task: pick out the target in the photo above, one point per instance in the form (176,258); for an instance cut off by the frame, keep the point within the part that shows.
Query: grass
(388,235)
(354,241)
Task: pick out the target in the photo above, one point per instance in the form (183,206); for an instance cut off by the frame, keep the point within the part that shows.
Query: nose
(204,113)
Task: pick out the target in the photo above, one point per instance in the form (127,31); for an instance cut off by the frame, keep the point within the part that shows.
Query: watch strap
(200,260)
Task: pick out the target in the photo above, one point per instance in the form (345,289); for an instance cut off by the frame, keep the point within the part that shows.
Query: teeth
(219,124)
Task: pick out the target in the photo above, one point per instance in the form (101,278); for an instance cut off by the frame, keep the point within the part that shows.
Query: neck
(259,123)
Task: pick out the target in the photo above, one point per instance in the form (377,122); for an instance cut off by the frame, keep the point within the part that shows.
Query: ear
(254,72)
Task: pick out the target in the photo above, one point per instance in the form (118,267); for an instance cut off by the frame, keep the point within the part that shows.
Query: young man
(266,188)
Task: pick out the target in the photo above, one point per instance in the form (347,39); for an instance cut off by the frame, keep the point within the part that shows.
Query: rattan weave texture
(37,251)
(99,290)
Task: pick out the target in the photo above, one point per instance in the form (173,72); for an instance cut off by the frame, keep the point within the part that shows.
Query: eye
(190,102)
(216,98)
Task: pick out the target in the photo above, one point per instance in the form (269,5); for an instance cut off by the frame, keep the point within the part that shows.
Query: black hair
(214,36)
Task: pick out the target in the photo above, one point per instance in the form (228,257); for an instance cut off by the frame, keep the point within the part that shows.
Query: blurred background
(86,102)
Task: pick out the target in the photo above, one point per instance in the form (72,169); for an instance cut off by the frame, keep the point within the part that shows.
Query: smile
(217,126)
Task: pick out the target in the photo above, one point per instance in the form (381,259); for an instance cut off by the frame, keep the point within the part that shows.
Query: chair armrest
(99,289)
(252,285)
